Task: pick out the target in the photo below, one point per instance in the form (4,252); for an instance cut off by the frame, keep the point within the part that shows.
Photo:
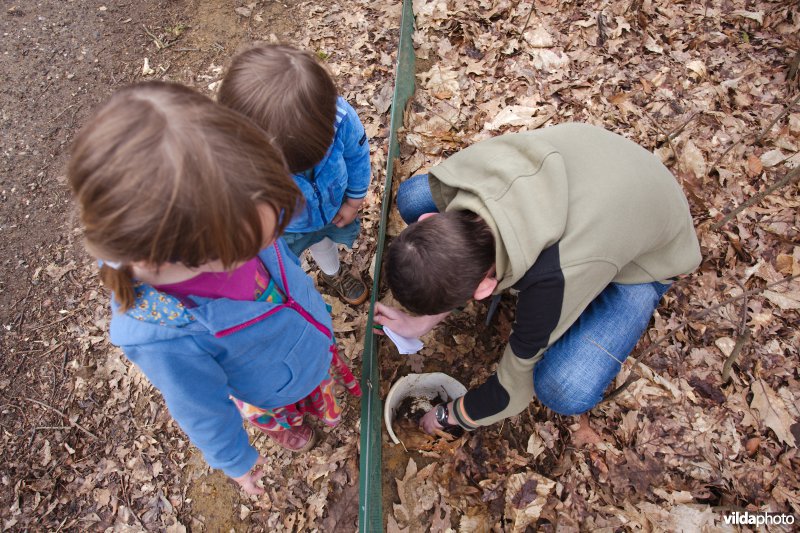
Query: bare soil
(86,443)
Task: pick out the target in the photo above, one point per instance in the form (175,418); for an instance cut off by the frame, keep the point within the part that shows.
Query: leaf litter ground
(711,88)
(706,420)
(87,443)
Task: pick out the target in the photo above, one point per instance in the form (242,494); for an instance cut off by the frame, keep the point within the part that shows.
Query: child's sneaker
(297,439)
(351,289)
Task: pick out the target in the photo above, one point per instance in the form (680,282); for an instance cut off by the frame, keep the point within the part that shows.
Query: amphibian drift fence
(370,514)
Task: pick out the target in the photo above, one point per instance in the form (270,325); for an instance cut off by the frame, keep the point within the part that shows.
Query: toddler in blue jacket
(289,94)
(183,201)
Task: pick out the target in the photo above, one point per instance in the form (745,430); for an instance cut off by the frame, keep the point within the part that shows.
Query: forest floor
(703,420)
(708,423)
(86,442)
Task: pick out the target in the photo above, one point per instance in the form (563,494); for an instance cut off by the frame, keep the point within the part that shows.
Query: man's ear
(485,288)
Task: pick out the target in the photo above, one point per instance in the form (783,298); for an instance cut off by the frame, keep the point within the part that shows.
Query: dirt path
(86,443)
(59,62)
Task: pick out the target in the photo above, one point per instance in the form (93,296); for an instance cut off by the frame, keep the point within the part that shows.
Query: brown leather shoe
(297,439)
(349,288)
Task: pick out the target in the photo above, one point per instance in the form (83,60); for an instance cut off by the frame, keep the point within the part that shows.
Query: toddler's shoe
(350,288)
(297,439)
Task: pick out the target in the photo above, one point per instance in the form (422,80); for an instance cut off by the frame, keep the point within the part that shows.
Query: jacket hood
(157,316)
(211,316)
(513,183)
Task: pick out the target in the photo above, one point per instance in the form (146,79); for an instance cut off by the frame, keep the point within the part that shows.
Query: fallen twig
(30,288)
(788,178)
(737,348)
(64,111)
(744,337)
(66,316)
(61,525)
(71,423)
(677,131)
(793,66)
(704,312)
(743,313)
(722,156)
(634,376)
(776,119)
(667,138)
(157,41)
(527,21)
(760,135)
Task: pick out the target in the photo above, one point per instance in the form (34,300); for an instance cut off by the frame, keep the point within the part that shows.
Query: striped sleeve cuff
(357,194)
(461,415)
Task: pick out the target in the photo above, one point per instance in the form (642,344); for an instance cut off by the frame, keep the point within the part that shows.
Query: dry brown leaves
(115,460)
(706,86)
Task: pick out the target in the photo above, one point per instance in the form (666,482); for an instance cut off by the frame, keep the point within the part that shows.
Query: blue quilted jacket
(344,172)
(265,354)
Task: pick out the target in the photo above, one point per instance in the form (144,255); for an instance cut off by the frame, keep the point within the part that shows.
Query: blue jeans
(299,242)
(575,371)
(414,198)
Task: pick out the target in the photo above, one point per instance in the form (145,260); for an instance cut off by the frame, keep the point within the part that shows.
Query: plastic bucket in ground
(435,386)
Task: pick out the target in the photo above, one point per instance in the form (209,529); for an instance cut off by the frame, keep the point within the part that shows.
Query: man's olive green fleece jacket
(572,208)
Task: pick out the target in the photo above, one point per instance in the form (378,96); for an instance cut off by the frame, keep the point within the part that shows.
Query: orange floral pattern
(321,403)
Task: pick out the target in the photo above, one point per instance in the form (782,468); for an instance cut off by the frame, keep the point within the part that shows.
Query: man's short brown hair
(289,94)
(436,264)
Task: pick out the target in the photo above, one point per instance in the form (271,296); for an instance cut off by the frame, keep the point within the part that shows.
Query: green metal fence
(370,512)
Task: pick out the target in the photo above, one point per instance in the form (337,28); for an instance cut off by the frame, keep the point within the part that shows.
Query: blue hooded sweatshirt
(266,354)
(343,172)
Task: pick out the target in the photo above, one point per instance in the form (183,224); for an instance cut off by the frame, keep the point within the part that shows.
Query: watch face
(441,415)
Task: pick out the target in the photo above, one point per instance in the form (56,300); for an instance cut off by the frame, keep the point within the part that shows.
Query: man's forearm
(506,393)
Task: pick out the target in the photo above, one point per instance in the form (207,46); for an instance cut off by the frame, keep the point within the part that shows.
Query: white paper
(405,345)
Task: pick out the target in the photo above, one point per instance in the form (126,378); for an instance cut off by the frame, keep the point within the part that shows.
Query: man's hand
(405,324)
(249,480)
(347,213)
(431,426)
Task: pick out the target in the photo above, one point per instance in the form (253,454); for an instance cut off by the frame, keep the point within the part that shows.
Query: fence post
(370,512)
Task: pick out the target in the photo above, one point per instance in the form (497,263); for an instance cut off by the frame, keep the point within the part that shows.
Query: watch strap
(443,415)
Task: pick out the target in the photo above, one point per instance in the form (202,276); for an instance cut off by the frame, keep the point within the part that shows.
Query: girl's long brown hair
(163,174)
(288,93)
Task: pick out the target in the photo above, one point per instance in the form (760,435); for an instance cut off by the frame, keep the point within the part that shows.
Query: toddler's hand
(347,213)
(249,480)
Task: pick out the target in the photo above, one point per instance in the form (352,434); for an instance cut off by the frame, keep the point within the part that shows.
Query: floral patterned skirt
(321,403)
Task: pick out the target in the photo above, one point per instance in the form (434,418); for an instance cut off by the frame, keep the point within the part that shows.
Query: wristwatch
(442,414)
